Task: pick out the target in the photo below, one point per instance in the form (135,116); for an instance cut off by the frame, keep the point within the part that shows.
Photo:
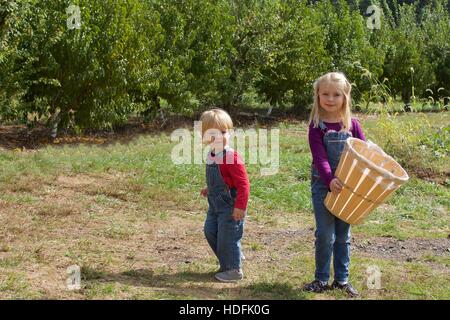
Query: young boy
(227,191)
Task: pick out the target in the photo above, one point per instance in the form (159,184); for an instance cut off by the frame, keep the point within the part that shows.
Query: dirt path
(379,247)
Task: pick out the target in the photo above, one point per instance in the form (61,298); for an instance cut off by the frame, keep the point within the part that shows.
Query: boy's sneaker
(230,275)
(316,286)
(347,287)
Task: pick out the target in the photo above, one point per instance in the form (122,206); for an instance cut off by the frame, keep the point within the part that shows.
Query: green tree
(85,74)
(193,55)
(436,31)
(251,23)
(348,40)
(11,26)
(295,56)
(406,66)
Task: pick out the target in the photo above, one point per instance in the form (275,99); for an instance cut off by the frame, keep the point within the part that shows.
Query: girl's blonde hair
(345,87)
(215,119)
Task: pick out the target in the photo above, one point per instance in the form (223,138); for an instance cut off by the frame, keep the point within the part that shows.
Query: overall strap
(224,155)
(214,175)
(323,126)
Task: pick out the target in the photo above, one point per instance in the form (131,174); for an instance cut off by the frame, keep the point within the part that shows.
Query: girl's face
(331,98)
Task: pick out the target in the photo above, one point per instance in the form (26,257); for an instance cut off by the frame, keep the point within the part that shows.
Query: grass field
(133,222)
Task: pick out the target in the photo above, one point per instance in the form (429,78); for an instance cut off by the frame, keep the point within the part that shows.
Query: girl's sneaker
(316,286)
(230,275)
(346,287)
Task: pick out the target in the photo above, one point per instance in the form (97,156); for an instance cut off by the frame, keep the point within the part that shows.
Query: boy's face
(331,98)
(217,139)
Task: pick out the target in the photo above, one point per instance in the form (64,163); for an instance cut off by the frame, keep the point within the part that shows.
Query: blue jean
(332,237)
(222,232)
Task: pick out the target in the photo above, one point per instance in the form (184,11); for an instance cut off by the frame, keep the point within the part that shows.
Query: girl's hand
(336,185)
(238,214)
(204,192)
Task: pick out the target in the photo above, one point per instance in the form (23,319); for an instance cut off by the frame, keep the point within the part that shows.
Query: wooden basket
(369,176)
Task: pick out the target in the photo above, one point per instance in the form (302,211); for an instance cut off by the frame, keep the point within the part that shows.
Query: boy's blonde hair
(345,87)
(215,119)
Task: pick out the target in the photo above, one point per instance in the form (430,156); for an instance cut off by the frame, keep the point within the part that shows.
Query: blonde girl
(331,123)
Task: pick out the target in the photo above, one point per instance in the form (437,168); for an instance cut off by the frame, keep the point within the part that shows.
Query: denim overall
(222,232)
(332,234)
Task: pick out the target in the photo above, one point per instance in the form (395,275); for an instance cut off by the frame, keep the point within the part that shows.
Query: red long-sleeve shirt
(234,174)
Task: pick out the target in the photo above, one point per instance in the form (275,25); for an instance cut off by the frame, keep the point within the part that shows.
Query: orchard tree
(406,65)
(83,73)
(193,54)
(436,32)
(248,45)
(11,28)
(295,56)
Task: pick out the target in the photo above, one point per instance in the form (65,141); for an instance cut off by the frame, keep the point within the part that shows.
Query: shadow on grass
(145,278)
(276,291)
(196,285)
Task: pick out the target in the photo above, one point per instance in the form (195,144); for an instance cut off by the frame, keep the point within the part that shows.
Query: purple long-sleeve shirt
(319,154)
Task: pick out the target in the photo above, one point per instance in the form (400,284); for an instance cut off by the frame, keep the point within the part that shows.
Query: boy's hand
(204,192)
(336,185)
(238,214)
